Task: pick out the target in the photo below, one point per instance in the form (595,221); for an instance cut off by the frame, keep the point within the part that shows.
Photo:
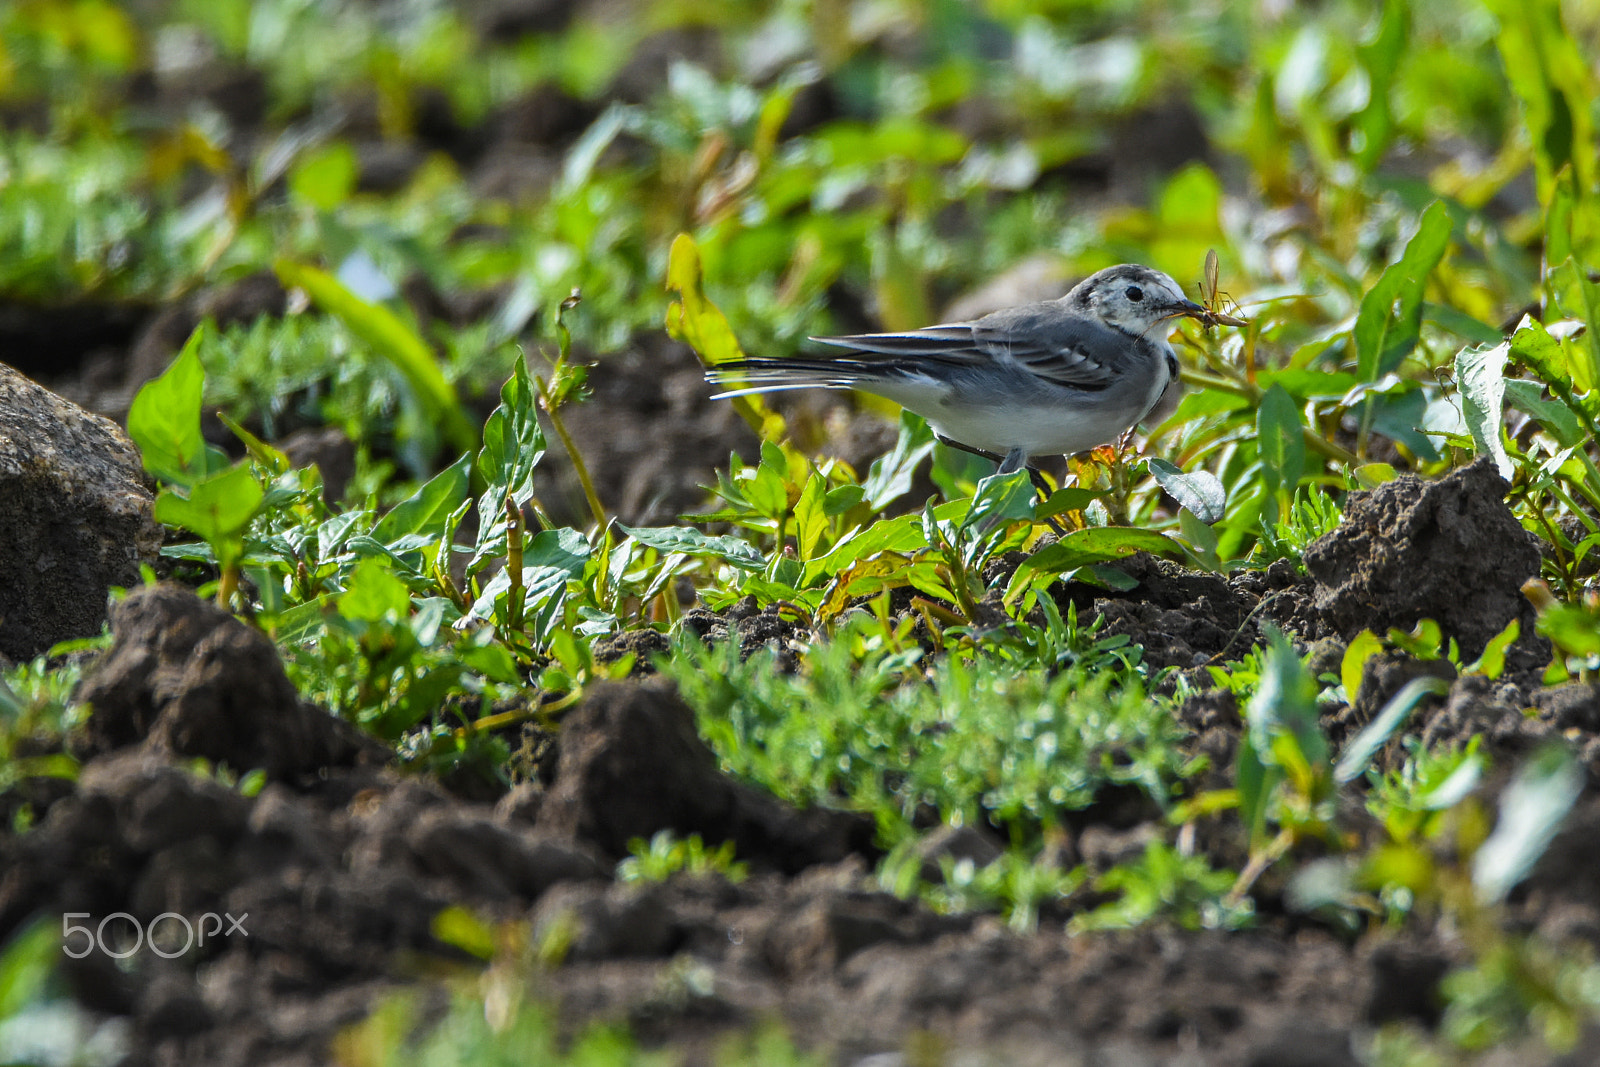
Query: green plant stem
(516,594)
(227,586)
(578,464)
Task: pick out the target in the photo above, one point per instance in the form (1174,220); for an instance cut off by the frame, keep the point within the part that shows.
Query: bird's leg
(994,457)
(1015,460)
(1035,475)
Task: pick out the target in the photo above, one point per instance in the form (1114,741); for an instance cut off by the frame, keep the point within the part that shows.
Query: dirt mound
(631,764)
(185,677)
(78,517)
(1408,550)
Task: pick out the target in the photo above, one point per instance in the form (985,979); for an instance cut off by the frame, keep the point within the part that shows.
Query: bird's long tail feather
(750,376)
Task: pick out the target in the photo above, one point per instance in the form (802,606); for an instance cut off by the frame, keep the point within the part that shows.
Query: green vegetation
(1405,204)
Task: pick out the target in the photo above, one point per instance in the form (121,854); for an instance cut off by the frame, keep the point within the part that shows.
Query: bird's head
(1135,299)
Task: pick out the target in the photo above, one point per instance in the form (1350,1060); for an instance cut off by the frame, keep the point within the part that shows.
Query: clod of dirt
(185,677)
(631,764)
(1448,550)
(1180,617)
(78,517)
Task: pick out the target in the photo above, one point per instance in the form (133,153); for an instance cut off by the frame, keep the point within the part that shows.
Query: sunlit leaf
(1532,808)
(1359,751)
(1390,318)
(392,338)
(1201,492)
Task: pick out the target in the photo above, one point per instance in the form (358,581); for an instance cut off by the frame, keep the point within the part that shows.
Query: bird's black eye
(1134,293)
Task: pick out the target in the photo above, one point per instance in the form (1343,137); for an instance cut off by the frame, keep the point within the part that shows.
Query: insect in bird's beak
(1207,317)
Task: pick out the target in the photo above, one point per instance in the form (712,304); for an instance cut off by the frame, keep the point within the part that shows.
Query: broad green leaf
(1200,492)
(1390,319)
(1480,375)
(1553,415)
(693,319)
(903,533)
(218,509)
(392,338)
(767,490)
(164,420)
(890,475)
(1358,753)
(810,516)
(1000,497)
(686,539)
(1279,437)
(1080,548)
(303,621)
(1285,704)
(1399,415)
(427,510)
(1071,498)
(513,445)
(1532,808)
(1461,324)
(373,594)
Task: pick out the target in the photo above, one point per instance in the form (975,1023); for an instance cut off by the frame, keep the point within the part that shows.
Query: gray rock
(78,517)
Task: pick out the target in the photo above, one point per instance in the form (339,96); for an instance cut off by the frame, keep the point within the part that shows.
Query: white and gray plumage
(1051,378)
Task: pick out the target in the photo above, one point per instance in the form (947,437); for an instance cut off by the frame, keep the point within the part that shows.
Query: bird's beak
(1206,315)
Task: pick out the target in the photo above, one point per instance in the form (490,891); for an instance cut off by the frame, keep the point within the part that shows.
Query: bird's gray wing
(1056,344)
(1046,340)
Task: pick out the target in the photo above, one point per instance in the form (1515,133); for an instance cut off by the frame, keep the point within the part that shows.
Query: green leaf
(1553,415)
(1200,492)
(374,595)
(217,509)
(902,533)
(457,926)
(1493,661)
(426,511)
(1532,809)
(889,478)
(1279,437)
(686,539)
(694,319)
(1071,498)
(1082,547)
(1481,377)
(1285,707)
(1461,324)
(513,445)
(1580,298)
(29,959)
(392,338)
(324,179)
(164,420)
(1362,647)
(810,516)
(1358,753)
(768,491)
(1000,497)
(1390,319)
